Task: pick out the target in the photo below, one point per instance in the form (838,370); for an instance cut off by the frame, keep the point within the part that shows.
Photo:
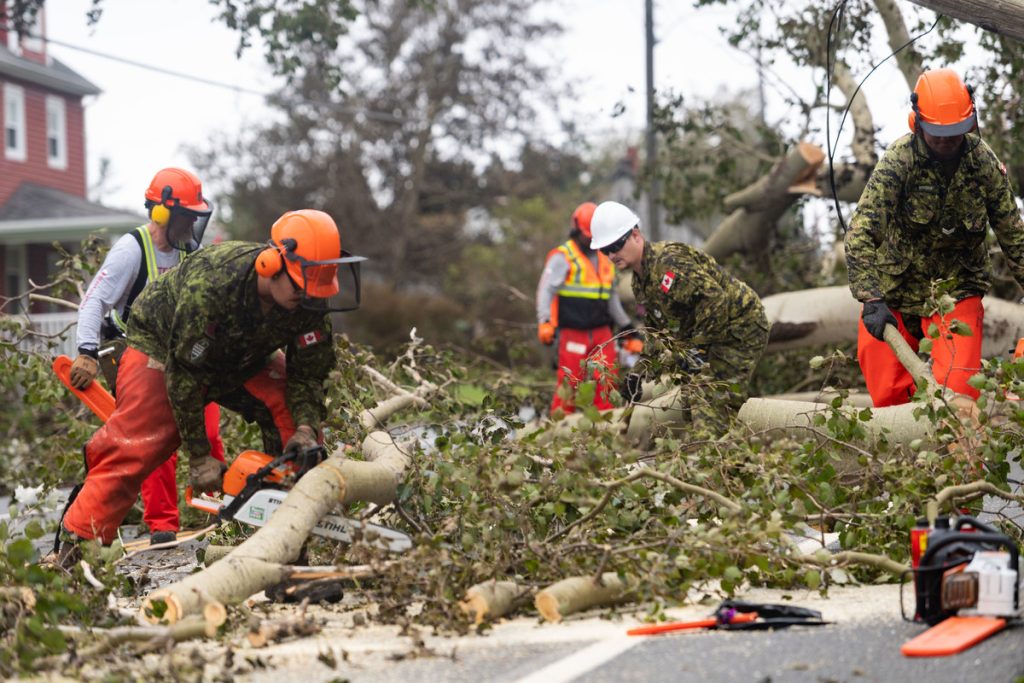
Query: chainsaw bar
(261,505)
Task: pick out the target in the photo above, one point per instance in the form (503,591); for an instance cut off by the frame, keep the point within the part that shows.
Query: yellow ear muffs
(269,262)
(160,214)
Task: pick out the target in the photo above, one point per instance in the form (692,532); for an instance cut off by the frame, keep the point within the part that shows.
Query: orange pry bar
(656,629)
(94,396)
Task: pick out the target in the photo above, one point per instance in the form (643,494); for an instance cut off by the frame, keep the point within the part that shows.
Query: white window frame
(56,131)
(14,117)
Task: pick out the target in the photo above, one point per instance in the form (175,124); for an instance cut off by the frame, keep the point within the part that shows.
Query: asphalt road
(860,652)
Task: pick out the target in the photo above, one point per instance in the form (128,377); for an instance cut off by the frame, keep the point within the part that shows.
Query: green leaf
(933,331)
(816,362)
(34,530)
(961,328)
(925,346)
(812,577)
(21,552)
(732,573)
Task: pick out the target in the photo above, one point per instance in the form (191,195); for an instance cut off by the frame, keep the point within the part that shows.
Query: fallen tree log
(262,560)
(579,593)
(492,599)
(757,208)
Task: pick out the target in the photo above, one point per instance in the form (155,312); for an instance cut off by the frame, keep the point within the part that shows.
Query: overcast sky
(143,119)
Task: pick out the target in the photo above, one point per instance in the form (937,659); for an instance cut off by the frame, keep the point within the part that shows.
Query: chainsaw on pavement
(254,482)
(254,489)
(966,584)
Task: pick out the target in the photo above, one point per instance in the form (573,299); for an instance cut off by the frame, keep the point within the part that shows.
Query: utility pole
(653,199)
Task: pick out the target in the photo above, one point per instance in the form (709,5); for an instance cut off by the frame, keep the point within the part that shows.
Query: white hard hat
(611,221)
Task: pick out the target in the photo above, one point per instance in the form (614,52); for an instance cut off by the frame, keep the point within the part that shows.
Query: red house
(42,163)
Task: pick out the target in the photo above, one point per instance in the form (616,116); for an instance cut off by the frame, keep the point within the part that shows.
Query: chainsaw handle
(994,537)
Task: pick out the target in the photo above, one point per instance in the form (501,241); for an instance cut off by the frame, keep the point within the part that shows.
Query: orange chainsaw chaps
(94,396)
(249,462)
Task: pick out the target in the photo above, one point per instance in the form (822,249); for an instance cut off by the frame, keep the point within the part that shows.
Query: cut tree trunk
(578,593)
(492,599)
(261,560)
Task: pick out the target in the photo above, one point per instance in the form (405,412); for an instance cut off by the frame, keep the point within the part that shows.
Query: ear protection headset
(915,113)
(270,261)
(161,213)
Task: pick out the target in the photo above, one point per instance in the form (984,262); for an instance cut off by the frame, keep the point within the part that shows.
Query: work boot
(69,552)
(158,537)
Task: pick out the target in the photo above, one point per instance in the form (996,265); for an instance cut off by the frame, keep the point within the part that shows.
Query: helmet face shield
(185,228)
(319,282)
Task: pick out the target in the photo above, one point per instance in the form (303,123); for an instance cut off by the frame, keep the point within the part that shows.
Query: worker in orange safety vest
(577,303)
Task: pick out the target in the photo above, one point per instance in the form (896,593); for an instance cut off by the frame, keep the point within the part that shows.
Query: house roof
(54,75)
(37,213)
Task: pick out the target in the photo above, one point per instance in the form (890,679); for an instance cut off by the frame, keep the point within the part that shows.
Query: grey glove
(303,439)
(206,474)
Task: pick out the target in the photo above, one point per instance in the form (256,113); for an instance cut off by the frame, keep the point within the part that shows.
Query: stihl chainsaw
(253,491)
(253,484)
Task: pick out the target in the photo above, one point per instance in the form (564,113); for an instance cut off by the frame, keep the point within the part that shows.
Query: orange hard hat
(581,217)
(177,187)
(311,246)
(943,105)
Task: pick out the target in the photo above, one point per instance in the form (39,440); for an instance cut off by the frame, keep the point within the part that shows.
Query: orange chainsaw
(254,482)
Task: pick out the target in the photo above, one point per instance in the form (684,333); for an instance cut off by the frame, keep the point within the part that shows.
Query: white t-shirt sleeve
(551,281)
(108,290)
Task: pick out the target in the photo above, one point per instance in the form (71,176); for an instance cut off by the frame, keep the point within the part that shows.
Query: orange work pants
(955,358)
(160,488)
(575,348)
(141,435)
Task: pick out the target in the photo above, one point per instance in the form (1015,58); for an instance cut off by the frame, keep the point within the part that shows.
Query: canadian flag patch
(310,338)
(667,281)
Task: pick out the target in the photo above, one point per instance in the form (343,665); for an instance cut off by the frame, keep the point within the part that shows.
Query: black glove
(876,316)
(632,388)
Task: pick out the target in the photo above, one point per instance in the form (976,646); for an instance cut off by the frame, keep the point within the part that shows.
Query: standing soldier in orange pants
(576,297)
(178,215)
(924,218)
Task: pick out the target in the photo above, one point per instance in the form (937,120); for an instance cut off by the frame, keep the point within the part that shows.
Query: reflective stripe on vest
(148,261)
(582,281)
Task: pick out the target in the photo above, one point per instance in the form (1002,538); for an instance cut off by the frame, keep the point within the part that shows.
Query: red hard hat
(581,217)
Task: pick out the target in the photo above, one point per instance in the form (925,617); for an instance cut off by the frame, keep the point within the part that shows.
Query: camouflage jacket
(912,226)
(203,321)
(685,293)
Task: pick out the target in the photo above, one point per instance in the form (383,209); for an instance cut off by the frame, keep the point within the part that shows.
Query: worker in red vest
(576,298)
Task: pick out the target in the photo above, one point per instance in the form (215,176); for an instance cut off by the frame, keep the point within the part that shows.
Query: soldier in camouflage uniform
(213,329)
(709,323)
(923,218)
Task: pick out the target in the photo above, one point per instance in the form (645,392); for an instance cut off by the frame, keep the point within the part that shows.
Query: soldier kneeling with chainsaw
(214,330)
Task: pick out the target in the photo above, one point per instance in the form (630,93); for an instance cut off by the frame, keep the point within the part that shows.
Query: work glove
(632,387)
(876,316)
(546,333)
(206,474)
(84,370)
(303,439)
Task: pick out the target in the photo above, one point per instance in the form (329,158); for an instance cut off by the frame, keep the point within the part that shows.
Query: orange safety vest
(582,301)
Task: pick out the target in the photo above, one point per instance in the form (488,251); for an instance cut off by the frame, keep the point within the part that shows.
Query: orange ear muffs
(912,121)
(270,262)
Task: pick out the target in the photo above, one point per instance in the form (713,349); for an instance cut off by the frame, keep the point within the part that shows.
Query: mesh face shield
(185,227)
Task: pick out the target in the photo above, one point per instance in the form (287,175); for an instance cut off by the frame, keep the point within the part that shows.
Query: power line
(343,108)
